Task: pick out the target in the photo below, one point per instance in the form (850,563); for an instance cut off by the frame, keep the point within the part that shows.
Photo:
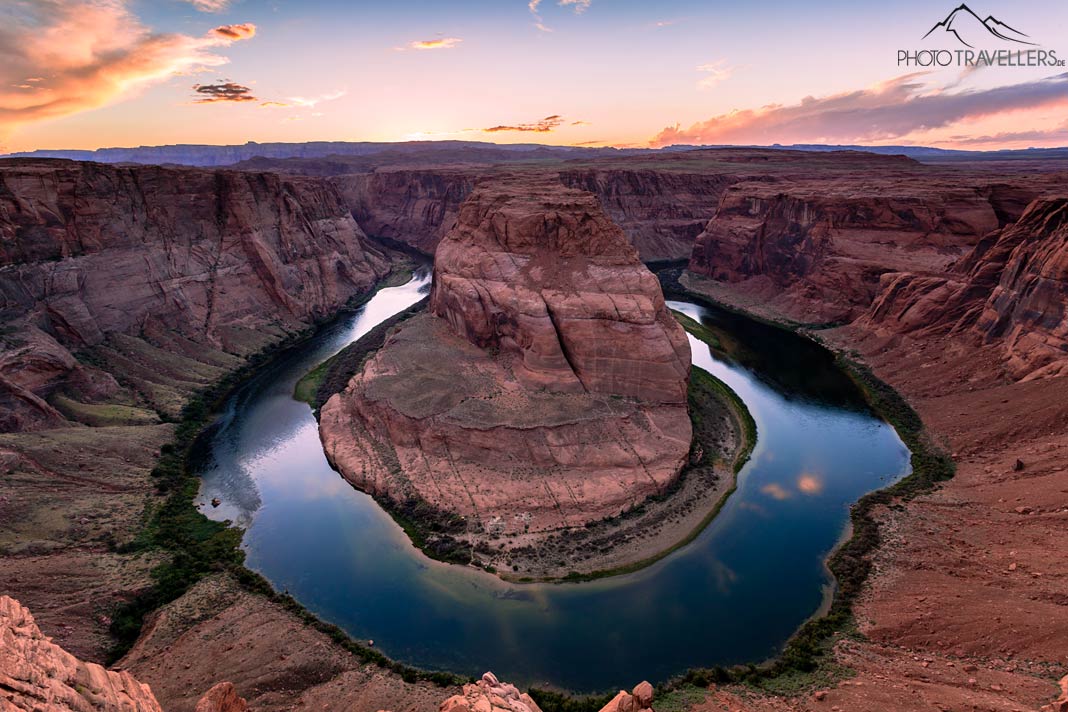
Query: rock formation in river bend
(203,264)
(546,389)
(541,273)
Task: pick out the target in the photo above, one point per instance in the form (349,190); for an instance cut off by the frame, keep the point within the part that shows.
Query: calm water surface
(733,595)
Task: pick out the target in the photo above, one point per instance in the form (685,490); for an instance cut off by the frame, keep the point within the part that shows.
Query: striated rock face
(546,389)
(417,207)
(213,258)
(36,674)
(820,248)
(1010,292)
(661,212)
(542,274)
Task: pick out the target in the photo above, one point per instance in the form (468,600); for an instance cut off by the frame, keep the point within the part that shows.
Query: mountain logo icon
(969,29)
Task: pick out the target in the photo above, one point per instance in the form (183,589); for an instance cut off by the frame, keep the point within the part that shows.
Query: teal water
(735,594)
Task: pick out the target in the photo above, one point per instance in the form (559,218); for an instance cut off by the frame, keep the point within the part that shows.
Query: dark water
(733,595)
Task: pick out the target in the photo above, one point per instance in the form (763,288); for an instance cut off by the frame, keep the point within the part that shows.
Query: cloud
(715,73)
(808,483)
(541,126)
(578,6)
(886,111)
(775,491)
(244,31)
(440,43)
(85,54)
(227,91)
(312,101)
(1018,138)
(209,5)
(580,123)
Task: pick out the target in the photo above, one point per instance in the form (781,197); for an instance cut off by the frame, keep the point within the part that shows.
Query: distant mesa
(969,28)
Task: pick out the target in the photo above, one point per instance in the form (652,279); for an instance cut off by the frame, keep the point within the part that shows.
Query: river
(735,594)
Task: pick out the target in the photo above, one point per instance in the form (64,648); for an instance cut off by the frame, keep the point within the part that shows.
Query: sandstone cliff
(1009,292)
(191,261)
(661,212)
(818,248)
(546,390)
(542,273)
(416,207)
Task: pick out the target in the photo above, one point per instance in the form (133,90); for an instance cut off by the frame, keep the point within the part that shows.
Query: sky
(97,73)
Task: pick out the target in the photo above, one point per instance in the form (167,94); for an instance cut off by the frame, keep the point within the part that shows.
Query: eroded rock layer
(417,207)
(818,248)
(186,259)
(1010,291)
(546,388)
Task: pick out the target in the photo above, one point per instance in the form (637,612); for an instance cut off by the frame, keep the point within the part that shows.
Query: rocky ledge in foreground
(37,674)
(491,695)
(546,389)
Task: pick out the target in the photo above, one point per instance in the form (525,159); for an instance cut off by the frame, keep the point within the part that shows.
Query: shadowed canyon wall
(187,261)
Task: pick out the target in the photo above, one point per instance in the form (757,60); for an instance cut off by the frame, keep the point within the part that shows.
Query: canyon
(128,289)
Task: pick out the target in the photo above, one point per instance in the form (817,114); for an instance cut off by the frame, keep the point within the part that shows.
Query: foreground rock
(637,700)
(222,698)
(546,389)
(36,674)
(491,695)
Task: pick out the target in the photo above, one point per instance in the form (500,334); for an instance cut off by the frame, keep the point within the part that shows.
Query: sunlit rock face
(545,389)
(540,273)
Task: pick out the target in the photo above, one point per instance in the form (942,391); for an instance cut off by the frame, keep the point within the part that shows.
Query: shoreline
(809,651)
(200,548)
